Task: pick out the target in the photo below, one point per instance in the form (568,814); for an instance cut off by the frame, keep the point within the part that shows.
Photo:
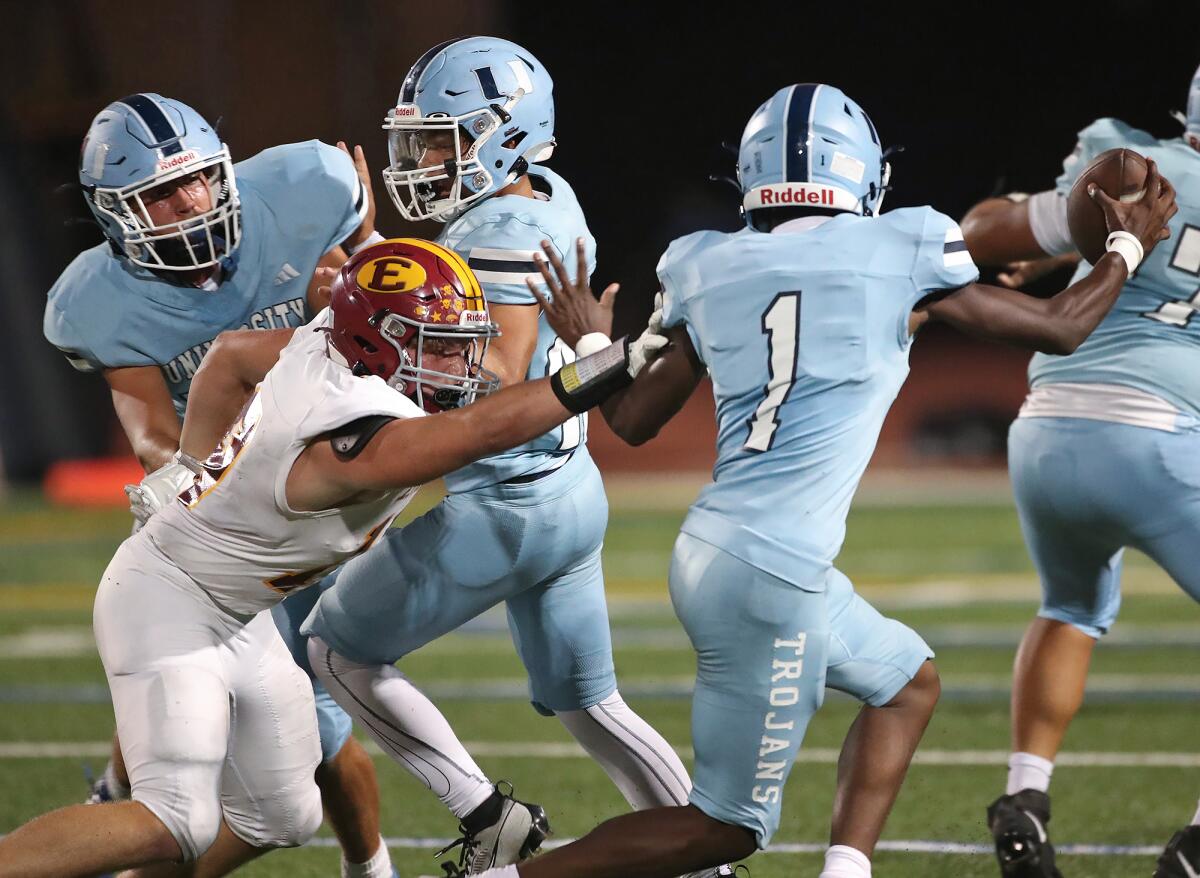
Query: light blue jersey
(525,527)
(298,201)
(806,339)
(1151,339)
(499,238)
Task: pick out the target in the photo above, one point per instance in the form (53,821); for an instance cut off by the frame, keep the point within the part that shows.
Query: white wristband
(591,343)
(1128,246)
(373,238)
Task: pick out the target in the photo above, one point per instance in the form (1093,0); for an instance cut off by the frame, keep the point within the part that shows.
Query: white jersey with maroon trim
(233,531)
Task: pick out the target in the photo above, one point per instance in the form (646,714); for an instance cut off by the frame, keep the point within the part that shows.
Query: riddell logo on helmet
(467,318)
(406,111)
(770,198)
(176,161)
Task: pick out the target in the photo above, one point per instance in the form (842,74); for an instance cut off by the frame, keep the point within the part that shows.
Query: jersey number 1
(781,325)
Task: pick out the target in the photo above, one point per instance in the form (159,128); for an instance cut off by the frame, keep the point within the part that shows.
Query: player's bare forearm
(1057,325)
(233,366)
(412,451)
(638,412)
(997,232)
(147,413)
(509,354)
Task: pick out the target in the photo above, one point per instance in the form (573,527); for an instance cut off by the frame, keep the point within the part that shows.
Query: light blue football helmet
(810,145)
(473,113)
(139,143)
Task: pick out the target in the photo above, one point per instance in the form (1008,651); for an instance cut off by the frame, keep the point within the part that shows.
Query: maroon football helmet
(389,299)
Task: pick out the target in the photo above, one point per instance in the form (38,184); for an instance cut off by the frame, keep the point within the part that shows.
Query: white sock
(1028,772)
(405,724)
(640,762)
(1196,819)
(842,861)
(118,790)
(379,866)
(501,872)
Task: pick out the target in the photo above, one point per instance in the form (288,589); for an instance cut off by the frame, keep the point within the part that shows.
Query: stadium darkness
(645,94)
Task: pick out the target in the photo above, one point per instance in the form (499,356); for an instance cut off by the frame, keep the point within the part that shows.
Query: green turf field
(954,570)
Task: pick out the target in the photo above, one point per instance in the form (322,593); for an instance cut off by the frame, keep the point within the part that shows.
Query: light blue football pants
(1085,490)
(766,650)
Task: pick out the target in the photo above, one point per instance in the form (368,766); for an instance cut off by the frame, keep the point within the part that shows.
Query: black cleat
(1018,825)
(1181,857)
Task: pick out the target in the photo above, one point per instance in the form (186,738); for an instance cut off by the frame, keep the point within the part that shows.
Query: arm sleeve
(942,261)
(1048,222)
(501,251)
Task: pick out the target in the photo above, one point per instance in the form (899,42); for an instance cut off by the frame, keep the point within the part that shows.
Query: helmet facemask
(433,389)
(463,177)
(195,243)
(438,191)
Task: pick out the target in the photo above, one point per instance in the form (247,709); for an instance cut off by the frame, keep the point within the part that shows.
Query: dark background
(986,98)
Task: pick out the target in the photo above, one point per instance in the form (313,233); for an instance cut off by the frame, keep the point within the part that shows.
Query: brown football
(1121,173)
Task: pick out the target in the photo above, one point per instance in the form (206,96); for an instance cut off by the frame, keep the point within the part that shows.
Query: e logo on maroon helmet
(391,274)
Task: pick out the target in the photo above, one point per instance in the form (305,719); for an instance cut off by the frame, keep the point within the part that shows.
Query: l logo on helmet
(391,274)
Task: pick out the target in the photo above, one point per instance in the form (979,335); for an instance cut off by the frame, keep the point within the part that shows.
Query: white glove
(655,324)
(645,348)
(158,489)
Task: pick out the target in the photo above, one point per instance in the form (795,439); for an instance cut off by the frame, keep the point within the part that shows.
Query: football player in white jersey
(215,719)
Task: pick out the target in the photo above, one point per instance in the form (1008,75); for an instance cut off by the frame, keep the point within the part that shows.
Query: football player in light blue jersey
(1103,456)
(196,245)
(804,320)
(474,118)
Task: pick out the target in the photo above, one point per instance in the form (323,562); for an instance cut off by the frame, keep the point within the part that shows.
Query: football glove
(158,489)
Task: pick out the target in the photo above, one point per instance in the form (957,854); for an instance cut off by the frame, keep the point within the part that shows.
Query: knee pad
(286,819)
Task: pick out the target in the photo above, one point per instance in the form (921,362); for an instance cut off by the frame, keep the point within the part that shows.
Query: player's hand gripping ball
(1120,174)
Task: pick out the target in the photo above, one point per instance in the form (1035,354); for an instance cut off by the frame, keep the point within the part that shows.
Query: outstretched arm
(228,374)
(1057,325)
(413,451)
(1060,324)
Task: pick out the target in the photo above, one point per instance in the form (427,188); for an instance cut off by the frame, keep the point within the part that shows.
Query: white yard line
(907,847)
(491,632)
(567,750)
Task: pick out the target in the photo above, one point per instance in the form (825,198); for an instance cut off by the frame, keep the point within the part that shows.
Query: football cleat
(100,792)
(719,872)
(515,834)
(1018,825)
(1181,857)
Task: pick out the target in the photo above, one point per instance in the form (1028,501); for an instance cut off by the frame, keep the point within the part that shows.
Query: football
(1121,173)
